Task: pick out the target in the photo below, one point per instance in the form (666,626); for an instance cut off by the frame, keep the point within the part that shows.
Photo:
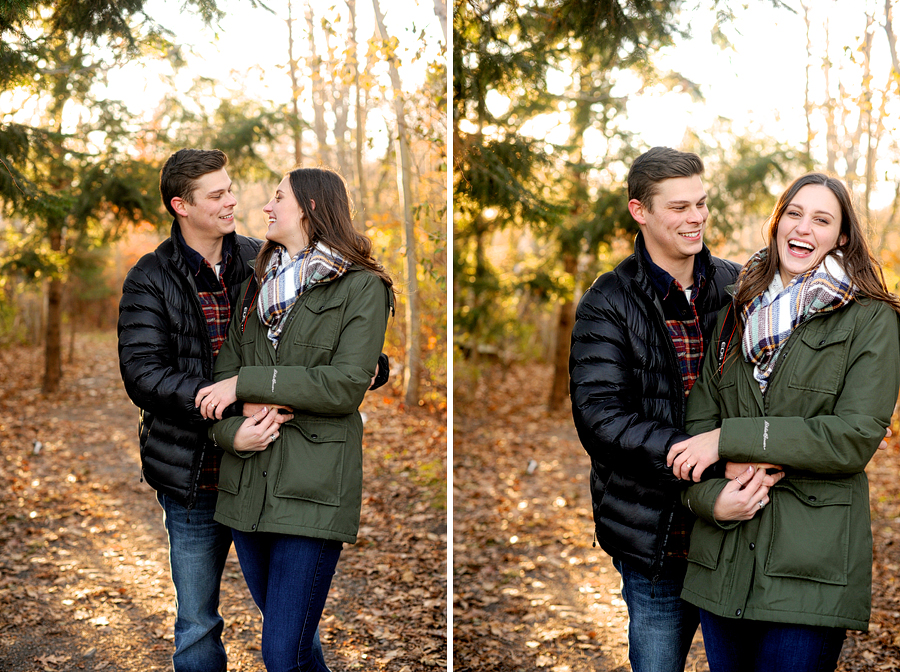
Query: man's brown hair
(179,175)
(656,165)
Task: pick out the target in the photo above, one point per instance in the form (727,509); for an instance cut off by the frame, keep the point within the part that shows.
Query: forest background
(95,96)
(552,101)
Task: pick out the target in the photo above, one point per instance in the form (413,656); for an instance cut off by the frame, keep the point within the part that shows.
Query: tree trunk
(339,100)
(831,136)
(296,91)
(53,334)
(440,11)
(404,168)
(360,124)
(318,92)
(807,104)
(559,389)
(892,40)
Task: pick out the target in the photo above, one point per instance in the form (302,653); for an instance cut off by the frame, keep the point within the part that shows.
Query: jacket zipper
(207,352)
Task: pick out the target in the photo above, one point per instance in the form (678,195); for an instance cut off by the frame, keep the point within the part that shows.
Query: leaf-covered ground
(531,592)
(84,577)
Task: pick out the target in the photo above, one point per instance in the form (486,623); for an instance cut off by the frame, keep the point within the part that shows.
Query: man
(173,317)
(639,337)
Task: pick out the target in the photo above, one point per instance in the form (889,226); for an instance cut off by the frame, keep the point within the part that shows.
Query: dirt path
(84,579)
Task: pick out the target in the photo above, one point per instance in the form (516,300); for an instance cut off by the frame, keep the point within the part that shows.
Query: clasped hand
(214,399)
(691,457)
(261,427)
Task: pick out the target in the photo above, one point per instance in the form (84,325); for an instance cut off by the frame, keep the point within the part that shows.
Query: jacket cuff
(744,440)
(222,435)
(701,498)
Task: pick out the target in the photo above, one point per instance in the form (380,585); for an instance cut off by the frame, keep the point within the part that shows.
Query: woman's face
(287,221)
(808,230)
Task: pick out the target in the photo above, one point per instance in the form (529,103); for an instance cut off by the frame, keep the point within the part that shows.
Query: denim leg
(661,626)
(289,578)
(197,553)
(742,645)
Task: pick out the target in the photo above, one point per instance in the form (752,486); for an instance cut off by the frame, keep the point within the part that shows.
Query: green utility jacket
(309,480)
(806,558)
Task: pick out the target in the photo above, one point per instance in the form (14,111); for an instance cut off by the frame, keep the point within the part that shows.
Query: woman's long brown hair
(861,266)
(329,223)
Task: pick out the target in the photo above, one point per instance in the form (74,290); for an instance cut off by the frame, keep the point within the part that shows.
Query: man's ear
(178,206)
(636,208)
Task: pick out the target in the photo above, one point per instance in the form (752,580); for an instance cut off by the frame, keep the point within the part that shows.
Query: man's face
(673,229)
(211,215)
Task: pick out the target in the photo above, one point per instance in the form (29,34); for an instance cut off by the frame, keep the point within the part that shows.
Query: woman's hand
(694,455)
(745,495)
(216,398)
(258,431)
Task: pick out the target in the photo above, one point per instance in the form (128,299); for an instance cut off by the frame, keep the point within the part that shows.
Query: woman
(805,377)
(292,491)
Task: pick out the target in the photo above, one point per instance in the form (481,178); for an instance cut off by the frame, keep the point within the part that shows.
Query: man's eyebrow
(219,191)
(687,202)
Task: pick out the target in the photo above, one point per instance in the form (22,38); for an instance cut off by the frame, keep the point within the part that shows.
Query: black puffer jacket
(628,403)
(165,357)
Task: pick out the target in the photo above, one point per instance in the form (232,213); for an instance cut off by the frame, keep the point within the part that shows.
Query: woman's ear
(312,204)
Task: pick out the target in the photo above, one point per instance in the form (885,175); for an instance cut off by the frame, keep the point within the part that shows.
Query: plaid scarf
(286,279)
(772,316)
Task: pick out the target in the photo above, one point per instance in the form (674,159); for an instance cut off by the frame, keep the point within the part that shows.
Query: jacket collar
(703,264)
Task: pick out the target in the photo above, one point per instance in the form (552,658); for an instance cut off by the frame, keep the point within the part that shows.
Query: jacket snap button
(812,498)
(822,342)
(265,473)
(253,527)
(314,436)
(323,308)
(738,612)
(752,545)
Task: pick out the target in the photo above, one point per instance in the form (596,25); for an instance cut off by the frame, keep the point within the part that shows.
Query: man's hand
(213,400)
(887,434)
(285,413)
(694,455)
(744,496)
(739,469)
(257,431)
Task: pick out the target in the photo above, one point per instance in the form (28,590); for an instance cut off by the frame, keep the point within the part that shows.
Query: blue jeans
(197,553)
(741,645)
(661,625)
(289,577)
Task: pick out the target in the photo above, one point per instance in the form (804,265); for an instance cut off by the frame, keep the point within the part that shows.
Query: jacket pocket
(248,346)
(312,461)
(230,472)
(819,361)
(810,530)
(320,322)
(706,544)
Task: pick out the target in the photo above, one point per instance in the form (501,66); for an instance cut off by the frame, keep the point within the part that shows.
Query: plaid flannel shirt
(217,310)
(683,324)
